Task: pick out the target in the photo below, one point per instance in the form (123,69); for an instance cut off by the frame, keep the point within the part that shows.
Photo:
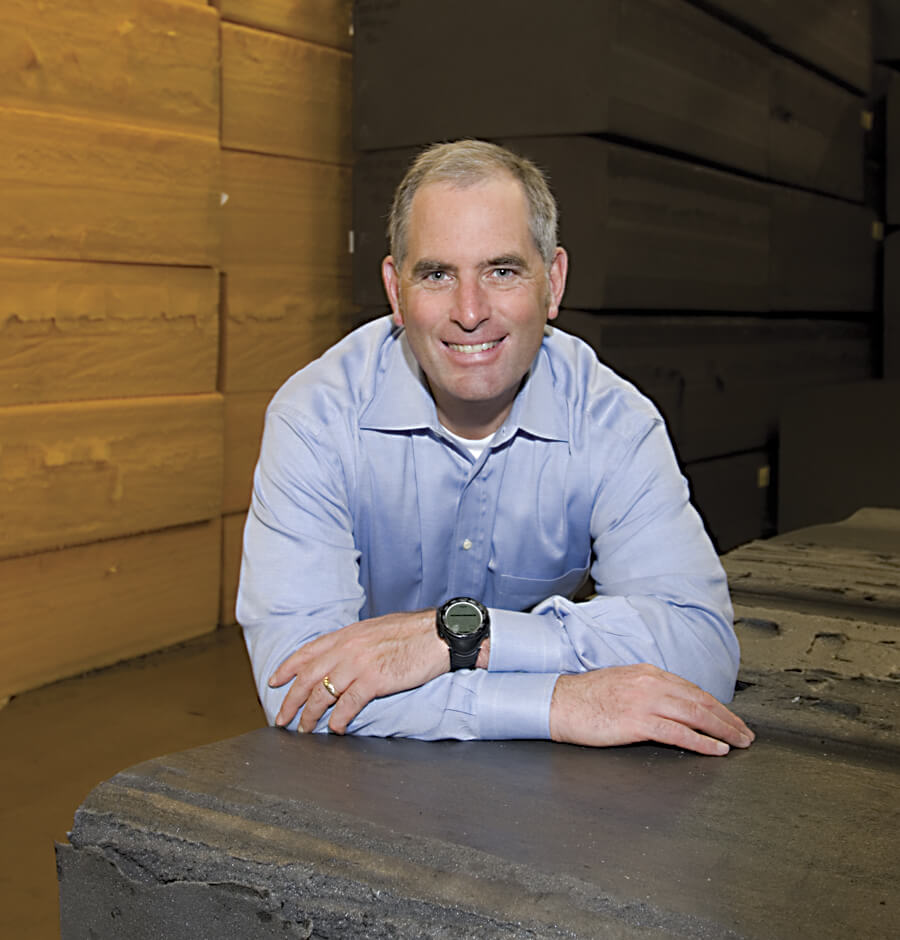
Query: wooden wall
(173,245)
(709,160)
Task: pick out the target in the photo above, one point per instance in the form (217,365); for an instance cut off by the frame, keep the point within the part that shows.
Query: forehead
(491,214)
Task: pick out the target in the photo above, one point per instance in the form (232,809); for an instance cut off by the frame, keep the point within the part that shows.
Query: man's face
(473,295)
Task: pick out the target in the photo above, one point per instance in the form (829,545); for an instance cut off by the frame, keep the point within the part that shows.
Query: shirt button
(467,544)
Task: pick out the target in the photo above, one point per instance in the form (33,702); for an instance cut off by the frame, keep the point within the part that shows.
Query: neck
(473,420)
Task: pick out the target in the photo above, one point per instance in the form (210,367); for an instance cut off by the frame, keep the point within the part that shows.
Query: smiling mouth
(473,347)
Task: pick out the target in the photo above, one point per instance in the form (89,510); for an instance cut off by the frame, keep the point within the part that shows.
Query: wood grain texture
(147,62)
(232,549)
(94,191)
(244,419)
(815,133)
(835,35)
(323,21)
(285,96)
(80,608)
(286,225)
(77,472)
(275,326)
(71,330)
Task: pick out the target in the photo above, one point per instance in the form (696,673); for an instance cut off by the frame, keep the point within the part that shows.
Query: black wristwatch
(463,624)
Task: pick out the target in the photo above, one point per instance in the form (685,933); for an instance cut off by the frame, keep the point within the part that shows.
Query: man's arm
(300,588)
(294,632)
(662,595)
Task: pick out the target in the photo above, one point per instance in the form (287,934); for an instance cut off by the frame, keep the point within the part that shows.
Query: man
(464,449)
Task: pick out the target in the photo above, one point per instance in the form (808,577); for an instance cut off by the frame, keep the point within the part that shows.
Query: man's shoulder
(594,389)
(342,379)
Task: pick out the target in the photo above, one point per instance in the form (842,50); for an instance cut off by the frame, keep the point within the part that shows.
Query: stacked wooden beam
(111,424)
(286,168)
(708,163)
(172,242)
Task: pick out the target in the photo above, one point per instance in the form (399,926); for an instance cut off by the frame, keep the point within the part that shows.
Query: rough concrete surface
(274,834)
(338,837)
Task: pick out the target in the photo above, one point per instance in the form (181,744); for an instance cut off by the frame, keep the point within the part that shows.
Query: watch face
(462,618)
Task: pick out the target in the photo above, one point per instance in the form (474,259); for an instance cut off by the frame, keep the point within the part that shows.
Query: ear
(559,269)
(390,276)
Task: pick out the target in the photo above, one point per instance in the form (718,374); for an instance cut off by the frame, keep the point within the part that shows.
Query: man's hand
(625,704)
(363,661)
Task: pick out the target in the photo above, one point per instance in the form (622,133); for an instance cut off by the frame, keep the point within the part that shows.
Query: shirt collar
(404,403)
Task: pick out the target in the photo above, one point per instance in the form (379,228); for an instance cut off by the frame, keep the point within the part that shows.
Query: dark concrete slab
(274,834)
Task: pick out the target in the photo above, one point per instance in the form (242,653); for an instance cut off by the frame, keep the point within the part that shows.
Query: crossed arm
(614,705)
(588,667)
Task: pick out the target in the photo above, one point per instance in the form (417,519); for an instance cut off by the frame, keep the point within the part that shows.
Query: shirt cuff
(515,705)
(523,642)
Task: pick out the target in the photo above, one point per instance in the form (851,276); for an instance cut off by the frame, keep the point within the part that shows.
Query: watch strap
(464,660)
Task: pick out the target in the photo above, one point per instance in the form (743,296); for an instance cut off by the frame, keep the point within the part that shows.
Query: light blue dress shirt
(363,505)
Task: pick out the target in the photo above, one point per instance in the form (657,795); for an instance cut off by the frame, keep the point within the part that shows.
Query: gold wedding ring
(328,685)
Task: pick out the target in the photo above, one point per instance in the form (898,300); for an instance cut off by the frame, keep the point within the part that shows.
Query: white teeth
(476,347)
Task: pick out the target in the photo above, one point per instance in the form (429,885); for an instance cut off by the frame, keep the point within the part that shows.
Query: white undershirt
(474,447)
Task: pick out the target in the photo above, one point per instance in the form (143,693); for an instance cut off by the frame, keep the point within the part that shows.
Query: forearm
(464,705)
(689,634)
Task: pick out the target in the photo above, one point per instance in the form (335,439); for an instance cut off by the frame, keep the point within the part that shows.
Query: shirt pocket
(514,593)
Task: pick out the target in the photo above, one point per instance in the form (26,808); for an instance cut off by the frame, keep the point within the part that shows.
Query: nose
(472,306)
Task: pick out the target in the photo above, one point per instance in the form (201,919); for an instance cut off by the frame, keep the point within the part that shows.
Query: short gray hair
(464,163)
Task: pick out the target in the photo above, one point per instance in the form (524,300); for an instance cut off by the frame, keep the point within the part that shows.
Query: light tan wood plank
(244,417)
(275,325)
(285,215)
(285,96)
(76,472)
(70,330)
(93,191)
(285,245)
(323,21)
(149,63)
(79,608)
(232,548)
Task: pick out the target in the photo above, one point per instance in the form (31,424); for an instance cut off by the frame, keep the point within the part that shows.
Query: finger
(352,701)
(709,717)
(318,702)
(300,659)
(297,696)
(724,713)
(287,670)
(666,731)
